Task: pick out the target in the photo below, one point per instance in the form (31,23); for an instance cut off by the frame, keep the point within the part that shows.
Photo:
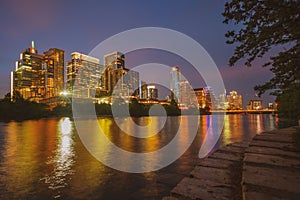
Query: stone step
(227,156)
(232,149)
(283,138)
(219,176)
(276,179)
(215,163)
(285,131)
(275,145)
(272,151)
(243,144)
(272,160)
(268,167)
(192,188)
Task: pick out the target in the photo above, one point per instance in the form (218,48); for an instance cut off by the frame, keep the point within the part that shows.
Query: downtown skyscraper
(175,83)
(117,80)
(83,75)
(38,77)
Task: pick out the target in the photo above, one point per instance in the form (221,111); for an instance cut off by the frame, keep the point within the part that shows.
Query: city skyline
(43,78)
(207,29)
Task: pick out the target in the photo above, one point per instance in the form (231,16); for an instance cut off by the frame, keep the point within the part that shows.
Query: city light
(64,93)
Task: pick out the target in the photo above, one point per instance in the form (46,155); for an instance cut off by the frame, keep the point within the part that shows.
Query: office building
(142,90)
(152,92)
(234,101)
(115,59)
(28,78)
(53,64)
(118,80)
(211,101)
(201,97)
(38,77)
(175,83)
(83,75)
(187,95)
(131,79)
(255,105)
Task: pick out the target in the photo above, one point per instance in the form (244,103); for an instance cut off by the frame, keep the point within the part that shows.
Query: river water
(45,159)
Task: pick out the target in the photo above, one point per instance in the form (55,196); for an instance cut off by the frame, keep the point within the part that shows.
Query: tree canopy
(260,26)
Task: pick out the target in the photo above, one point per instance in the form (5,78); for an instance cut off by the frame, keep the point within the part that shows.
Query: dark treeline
(20,109)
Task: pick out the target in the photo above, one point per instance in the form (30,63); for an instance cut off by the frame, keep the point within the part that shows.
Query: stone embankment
(268,167)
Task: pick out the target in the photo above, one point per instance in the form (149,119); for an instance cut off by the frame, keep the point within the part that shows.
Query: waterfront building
(118,80)
(115,59)
(152,92)
(175,83)
(38,77)
(222,101)
(255,105)
(187,95)
(28,78)
(53,64)
(234,101)
(211,101)
(131,79)
(201,97)
(272,106)
(142,90)
(85,72)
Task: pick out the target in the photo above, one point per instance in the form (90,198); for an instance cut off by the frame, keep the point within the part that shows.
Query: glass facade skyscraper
(86,71)
(53,65)
(175,83)
(117,79)
(36,76)
(115,59)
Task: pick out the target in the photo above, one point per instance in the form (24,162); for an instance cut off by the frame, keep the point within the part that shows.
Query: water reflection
(63,160)
(45,159)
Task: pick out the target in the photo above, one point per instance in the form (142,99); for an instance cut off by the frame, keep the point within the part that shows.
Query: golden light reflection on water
(232,128)
(24,149)
(46,157)
(63,158)
(65,126)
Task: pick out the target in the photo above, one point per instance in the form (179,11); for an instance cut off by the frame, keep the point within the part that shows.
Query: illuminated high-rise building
(175,83)
(38,77)
(201,97)
(28,78)
(143,90)
(115,59)
(53,64)
(187,95)
(117,79)
(86,71)
(131,79)
(234,100)
(211,100)
(152,92)
(255,105)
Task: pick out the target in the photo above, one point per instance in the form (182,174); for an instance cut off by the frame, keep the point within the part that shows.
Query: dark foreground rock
(266,168)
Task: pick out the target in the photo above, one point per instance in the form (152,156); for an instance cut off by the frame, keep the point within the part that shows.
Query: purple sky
(81,25)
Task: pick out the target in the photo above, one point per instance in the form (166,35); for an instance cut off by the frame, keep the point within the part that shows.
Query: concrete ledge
(268,167)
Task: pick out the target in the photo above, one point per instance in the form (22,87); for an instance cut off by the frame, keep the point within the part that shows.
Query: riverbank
(268,167)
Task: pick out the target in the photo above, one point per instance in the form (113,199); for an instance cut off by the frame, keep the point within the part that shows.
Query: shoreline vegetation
(21,110)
